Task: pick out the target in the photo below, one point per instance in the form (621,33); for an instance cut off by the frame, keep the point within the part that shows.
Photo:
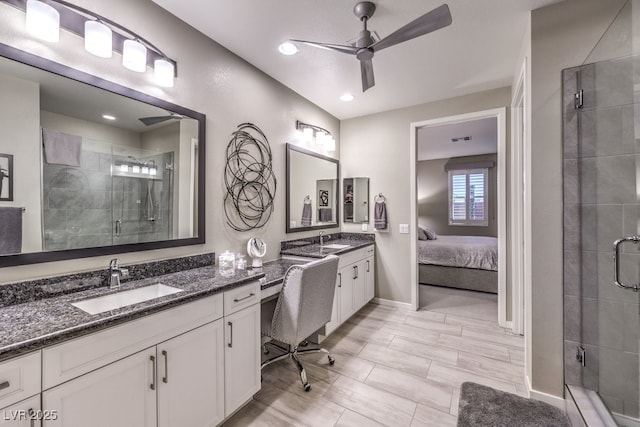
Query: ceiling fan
(150,121)
(365,46)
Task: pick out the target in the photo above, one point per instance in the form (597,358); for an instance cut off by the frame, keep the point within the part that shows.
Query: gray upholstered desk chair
(303,306)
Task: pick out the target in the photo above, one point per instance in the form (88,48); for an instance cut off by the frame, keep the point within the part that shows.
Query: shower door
(602,218)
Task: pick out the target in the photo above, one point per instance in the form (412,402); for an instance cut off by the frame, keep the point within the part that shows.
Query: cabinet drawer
(241,297)
(19,379)
(76,357)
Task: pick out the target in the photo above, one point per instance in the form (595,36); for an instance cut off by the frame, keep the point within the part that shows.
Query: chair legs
(293,353)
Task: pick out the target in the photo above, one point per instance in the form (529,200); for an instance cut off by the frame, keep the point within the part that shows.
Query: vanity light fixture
(323,137)
(101,36)
(43,21)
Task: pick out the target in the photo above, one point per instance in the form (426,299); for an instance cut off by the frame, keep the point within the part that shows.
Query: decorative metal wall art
(249,179)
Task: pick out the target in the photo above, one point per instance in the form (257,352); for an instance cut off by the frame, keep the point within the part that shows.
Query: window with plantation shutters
(468,197)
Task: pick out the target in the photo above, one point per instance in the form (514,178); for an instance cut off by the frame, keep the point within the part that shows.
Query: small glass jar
(226,264)
(241,262)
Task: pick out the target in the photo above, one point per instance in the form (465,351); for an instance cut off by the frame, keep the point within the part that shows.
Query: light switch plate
(404,228)
(365,227)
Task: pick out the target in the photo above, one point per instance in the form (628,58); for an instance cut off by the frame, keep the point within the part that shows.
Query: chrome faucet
(114,274)
(321,238)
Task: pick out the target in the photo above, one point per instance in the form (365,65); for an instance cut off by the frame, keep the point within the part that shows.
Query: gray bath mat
(484,406)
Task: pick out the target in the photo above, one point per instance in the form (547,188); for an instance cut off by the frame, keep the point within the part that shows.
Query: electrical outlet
(404,228)
(365,227)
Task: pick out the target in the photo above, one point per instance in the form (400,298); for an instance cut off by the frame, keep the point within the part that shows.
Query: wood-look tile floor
(393,367)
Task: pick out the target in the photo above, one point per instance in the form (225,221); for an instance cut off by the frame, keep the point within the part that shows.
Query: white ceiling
(478,51)
(434,142)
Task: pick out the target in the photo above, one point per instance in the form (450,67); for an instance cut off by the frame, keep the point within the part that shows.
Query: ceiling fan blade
(150,121)
(351,50)
(366,69)
(431,21)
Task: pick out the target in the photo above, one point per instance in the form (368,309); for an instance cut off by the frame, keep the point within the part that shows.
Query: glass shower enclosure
(601,170)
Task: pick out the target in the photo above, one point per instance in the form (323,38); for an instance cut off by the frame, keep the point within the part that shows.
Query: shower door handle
(616,262)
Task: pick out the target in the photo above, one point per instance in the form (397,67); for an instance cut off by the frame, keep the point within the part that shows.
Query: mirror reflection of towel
(380,216)
(61,148)
(10,230)
(306,214)
(324,215)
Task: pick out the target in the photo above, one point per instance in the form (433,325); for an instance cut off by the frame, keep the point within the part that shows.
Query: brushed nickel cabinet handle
(368,266)
(4,385)
(339,280)
(230,344)
(165,379)
(152,386)
(244,298)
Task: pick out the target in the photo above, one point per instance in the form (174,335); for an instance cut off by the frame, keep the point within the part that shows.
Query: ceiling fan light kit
(366,46)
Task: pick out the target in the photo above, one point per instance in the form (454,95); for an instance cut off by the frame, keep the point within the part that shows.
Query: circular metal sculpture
(249,179)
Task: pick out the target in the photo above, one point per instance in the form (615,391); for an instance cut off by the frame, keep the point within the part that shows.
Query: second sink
(125,298)
(335,246)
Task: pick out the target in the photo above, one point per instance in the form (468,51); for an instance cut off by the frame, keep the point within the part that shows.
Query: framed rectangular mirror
(97,168)
(312,190)
(355,199)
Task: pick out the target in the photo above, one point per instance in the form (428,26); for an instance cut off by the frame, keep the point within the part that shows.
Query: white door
(190,373)
(120,394)
(242,357)
(22,413)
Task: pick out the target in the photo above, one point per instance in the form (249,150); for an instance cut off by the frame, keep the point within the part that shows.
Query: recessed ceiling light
(346,97)
(108,117)
(288,48)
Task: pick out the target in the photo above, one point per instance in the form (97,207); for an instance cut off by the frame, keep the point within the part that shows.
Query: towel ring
(379,198)
(307,199)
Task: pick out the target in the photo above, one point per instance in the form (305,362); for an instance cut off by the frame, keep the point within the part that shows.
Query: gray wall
(433,197)
(377,146)
(562,35)
(211,80)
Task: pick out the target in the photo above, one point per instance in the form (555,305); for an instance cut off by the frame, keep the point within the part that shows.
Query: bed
(465,262)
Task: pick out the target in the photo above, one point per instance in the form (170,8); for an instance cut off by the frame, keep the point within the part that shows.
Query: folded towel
(61,148)
(10,230)
(380,216)
(306,214)
(325,215)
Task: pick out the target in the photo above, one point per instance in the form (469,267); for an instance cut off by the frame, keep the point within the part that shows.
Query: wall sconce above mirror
(355,193)
(101,36)
(312,190)
(315,136)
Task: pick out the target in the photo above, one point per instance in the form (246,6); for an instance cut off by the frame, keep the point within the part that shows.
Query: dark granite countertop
(311,248)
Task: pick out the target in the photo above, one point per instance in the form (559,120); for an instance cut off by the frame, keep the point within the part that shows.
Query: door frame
(501,115)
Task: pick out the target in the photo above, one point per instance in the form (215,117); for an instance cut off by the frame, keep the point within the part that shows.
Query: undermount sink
(335,246)
(125,298)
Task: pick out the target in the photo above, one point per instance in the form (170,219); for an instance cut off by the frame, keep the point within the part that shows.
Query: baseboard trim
(556,401)
(391,303)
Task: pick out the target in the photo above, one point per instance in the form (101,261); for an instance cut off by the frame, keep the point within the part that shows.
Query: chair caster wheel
(331,360)
(307,387)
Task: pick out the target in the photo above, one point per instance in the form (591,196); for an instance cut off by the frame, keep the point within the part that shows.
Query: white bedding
(460,251)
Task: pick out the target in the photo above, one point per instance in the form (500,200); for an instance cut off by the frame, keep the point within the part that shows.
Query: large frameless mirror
(96,168)
(312,190)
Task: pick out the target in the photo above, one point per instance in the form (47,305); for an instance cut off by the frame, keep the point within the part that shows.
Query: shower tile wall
(80,204)
(600,206)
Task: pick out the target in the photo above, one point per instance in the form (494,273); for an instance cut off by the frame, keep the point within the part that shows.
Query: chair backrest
(305,301)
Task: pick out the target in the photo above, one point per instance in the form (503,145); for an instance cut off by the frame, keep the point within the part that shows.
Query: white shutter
(468,197)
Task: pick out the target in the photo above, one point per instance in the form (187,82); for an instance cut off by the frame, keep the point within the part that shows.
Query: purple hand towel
(61,148)
(380,216)
(10,230)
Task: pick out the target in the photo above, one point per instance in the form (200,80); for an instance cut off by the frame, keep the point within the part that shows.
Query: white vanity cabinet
(191,365)
(26,413)
(355,287)
(19,379)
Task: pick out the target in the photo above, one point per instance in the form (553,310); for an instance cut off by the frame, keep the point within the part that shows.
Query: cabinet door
(369,279)
(346,293)
(242,357)
(335,311)
(120,394)
(24,414)
(190,373)
(357,275)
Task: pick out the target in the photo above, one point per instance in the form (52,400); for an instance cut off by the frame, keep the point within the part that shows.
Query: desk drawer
(241,297)
(19,379)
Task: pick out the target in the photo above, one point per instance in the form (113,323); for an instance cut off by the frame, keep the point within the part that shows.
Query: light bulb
(330,143)
(307,134)
(134,56)
(163,72)
(43,21)
(98,39)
